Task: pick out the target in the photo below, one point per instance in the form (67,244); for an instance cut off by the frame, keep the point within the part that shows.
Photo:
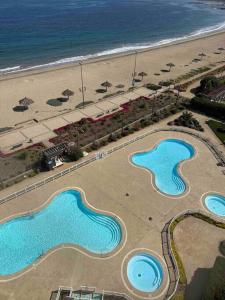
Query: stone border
(179,169)
(213,215)
(142,295)
(76,247)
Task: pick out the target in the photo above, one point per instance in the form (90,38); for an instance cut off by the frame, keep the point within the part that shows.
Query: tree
(106,85)
(67,93)
(75,153)
(208,83)
(142,74)
(187,116)
(170,65)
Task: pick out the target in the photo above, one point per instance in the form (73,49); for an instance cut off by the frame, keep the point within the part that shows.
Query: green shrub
(208,107)
(179,295)
(112,137)
(95,145)
(75,154)
(153,87)
(22,155)
(218,128)
(183,279)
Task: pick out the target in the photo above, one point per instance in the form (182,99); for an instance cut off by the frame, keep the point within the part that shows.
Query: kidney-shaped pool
(163,162)
(66,220)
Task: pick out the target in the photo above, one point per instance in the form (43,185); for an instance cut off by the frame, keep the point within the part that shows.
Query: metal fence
(85,293)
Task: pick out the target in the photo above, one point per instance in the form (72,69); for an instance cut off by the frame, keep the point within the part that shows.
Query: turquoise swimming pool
(66,220)
(144,272)
(163,162)
(216,204)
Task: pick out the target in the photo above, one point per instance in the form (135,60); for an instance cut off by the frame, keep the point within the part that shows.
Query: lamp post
(135,64)
(83,88)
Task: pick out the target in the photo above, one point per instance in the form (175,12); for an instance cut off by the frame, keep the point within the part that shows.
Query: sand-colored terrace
(106,183)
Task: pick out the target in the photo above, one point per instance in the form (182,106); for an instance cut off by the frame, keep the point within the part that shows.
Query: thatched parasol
(142,74)
(26,101)
(106,85)
(67,93)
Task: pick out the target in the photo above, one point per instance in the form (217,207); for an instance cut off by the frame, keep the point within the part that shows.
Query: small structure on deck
(85,293)
(53,157)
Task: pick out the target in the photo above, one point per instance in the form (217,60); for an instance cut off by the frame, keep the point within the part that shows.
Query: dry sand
(48,84)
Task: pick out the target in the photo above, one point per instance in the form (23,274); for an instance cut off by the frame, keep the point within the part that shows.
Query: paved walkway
(30,133)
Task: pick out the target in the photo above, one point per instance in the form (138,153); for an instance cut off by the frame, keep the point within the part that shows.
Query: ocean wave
(125,49)
(10,69)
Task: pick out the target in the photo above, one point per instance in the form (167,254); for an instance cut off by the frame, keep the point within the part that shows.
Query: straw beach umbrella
(142,74)
(106,85)
(67,93)
(202,55)
(170,65)
(26,101)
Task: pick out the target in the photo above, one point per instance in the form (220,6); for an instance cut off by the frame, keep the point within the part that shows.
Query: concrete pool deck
(106,183)
(206,250)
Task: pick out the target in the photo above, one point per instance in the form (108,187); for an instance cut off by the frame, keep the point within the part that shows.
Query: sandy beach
(49,84)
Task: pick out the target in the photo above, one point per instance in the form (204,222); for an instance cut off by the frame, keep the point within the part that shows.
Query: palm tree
(170,65)
(106,85)
(142,74)
(187,116)
(67,93)
(202,55)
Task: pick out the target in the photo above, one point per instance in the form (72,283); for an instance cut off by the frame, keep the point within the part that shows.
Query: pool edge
(78,248)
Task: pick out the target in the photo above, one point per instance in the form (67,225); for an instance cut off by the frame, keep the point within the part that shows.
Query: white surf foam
(124,49)
(10,69)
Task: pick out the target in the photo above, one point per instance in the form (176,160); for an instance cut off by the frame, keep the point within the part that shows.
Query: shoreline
(52,66)
(45,84)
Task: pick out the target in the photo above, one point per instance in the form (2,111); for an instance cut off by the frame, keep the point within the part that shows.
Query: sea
(43,33)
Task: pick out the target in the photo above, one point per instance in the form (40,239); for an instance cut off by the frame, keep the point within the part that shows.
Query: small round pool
(145,272)
(215,204)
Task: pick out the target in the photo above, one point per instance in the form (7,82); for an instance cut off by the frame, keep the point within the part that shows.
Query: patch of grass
(22,155)
(209,220)
(217,128)
(178,296)
(183,278)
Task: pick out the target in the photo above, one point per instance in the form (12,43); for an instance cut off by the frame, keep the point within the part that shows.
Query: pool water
(163,162)
(66,220)
(216,204)
(144,272)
